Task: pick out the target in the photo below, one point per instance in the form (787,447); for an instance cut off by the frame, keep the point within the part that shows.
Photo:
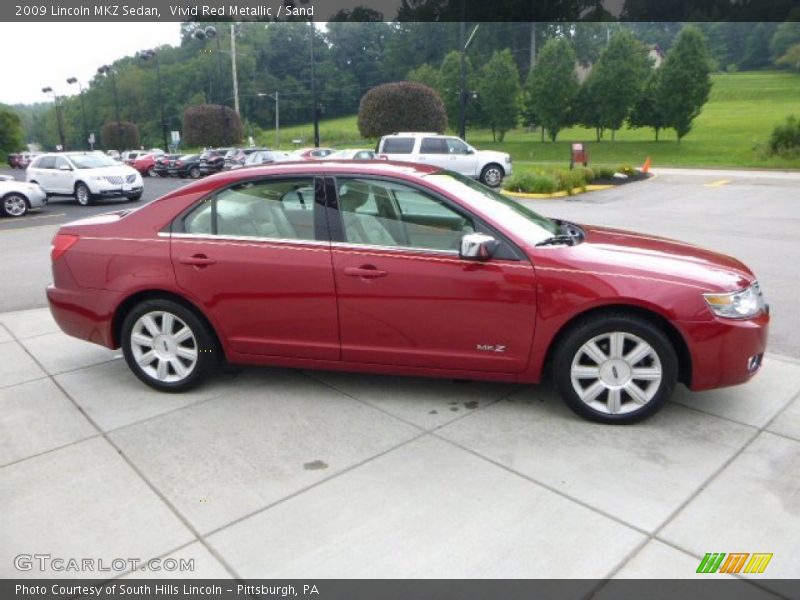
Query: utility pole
(314,89)
(233,69)
(462,93)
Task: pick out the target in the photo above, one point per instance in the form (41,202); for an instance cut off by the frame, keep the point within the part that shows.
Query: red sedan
(146,164)
(399,268)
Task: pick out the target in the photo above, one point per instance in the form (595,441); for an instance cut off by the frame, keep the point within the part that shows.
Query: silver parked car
(18,197)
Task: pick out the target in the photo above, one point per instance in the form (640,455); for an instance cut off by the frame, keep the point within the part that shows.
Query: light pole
(205,34)
(462,122)
(109,72)
(49,90)
(146,55)
(70,81)
(277,114)
(314,102)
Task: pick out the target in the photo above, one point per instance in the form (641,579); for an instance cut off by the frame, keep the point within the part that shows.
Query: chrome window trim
(400,249)
(241,238)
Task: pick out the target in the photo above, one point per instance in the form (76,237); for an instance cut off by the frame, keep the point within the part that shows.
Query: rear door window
(398,145)
(433,146)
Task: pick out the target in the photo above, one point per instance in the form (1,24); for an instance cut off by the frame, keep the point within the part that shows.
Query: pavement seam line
(310,487)
(136,469)
(420,427)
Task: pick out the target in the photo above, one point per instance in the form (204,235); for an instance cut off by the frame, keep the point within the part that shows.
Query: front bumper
(725,352)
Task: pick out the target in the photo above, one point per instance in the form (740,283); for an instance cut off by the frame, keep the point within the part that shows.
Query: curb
(561,194)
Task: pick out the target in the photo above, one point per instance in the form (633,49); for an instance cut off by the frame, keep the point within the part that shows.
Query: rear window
(398,145)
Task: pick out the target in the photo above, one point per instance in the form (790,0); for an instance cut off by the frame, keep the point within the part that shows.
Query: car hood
(493,155)
(629,253)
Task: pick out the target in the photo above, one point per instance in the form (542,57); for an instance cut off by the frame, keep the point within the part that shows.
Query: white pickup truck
(447,152)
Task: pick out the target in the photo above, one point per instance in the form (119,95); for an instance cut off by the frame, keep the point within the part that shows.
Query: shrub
(588,174)
(570,180)
(531,183)
(627,170)
(211,125)
(400,106)
(604,173)
(785,138)
(119,136)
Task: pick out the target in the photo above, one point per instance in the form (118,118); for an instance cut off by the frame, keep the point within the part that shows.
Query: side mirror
(478,246)
(470,151)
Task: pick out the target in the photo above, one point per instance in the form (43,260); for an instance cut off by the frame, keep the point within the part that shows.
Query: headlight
(737,305)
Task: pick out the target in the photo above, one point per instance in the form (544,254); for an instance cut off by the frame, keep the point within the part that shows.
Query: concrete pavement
(278,473)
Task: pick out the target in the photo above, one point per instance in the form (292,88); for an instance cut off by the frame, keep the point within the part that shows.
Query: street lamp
(86,141)
(109,72)
(277,114)
(49,90)
(146,55)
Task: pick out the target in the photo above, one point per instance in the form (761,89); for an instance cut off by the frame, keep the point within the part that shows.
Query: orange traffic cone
(646,166)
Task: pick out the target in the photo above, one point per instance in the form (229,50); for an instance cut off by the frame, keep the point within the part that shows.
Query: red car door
(405,296)
(259,262)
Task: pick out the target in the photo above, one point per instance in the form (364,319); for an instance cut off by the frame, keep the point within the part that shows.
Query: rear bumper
(725,352)
(84,314)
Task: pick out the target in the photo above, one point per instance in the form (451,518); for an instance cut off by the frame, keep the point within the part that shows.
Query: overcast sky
(46,54)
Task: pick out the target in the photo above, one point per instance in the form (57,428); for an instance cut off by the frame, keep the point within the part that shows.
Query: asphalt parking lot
(280,473)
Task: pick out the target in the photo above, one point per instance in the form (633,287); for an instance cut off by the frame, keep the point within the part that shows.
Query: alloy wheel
(616,373)
(14,205)
(164,346)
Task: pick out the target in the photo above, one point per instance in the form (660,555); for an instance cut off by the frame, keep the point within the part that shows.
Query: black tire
(492,175)
(615,380)
(194,173)
(203,342)
(14,205)
(83,195)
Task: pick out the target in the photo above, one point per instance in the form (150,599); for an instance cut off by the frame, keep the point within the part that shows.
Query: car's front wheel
(167,346)
(194,173)
(151,172)
(82,194)
(492,175)
(615,369)
(14,205)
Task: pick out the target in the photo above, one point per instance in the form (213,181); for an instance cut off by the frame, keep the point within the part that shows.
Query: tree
(12,136)
(450,73)
(499,90)
(791,59)
(211,125)
(400,106)
(757,51)
(120,136)
(553,86)
(685,81)
(646,111)
(786,35)
(426,75)
(617,79)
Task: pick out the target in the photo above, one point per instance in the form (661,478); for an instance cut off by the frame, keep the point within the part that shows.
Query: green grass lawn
(739,116)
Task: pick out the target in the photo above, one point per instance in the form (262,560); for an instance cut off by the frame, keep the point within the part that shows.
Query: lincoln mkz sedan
(405,269)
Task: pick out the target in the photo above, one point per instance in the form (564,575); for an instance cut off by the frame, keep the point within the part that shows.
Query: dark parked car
(163,163)
(185,166)
(407,269)
(213,161)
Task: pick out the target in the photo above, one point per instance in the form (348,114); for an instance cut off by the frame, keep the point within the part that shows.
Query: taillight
(61,243)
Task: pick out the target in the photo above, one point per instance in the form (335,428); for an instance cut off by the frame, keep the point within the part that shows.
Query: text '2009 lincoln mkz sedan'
(406,269)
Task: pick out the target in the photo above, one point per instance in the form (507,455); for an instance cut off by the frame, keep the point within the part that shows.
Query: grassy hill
(738,118)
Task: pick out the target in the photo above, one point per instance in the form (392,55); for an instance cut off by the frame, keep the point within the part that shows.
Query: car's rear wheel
(14,205)
(151,172)
(194,172)
(615,369)
(167,346)
(492,175)
(82,194)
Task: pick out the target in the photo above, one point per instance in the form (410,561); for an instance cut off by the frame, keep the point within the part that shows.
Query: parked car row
(21,160)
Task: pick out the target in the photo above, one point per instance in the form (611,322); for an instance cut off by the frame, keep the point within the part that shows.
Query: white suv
(85,175)
(447,152)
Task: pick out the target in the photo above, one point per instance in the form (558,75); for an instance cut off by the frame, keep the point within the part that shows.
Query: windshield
(527,224)
(92,161)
